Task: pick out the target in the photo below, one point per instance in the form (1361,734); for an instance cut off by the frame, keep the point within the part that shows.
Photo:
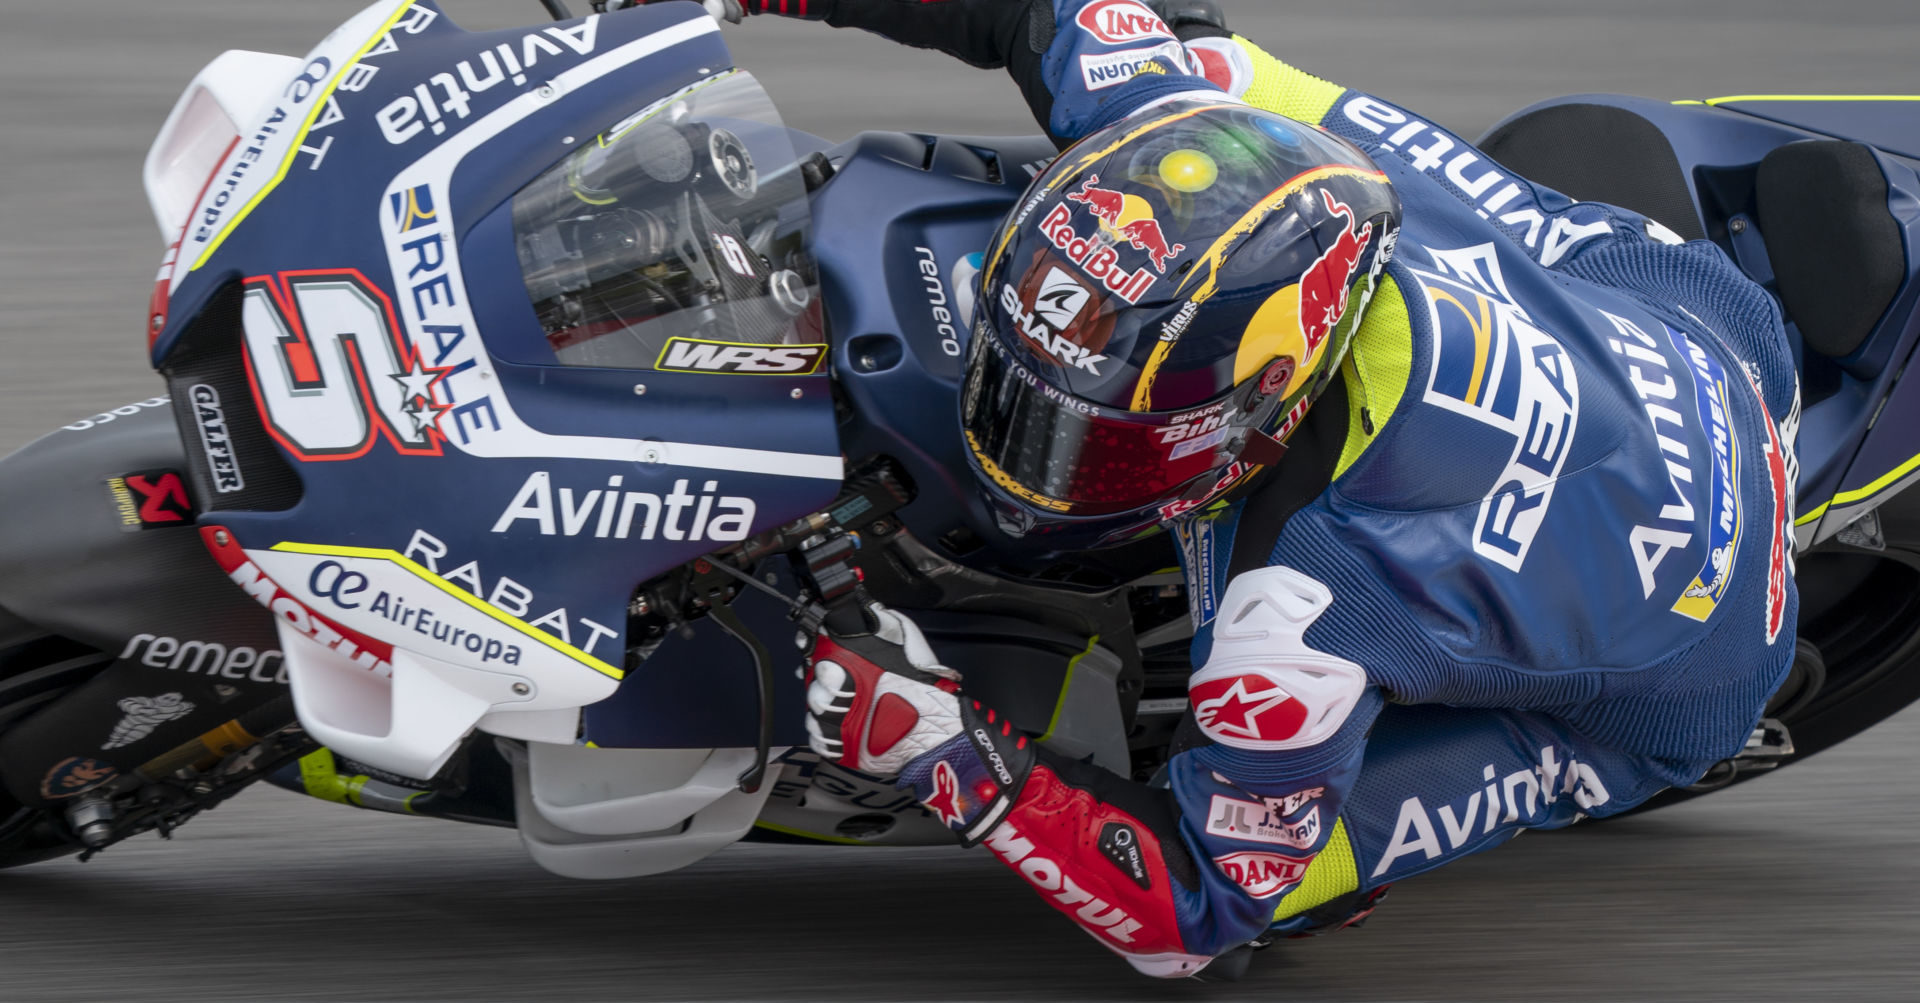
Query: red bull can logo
(1128,218)
(1324,287)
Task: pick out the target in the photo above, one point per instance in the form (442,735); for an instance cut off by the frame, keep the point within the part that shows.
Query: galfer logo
(1117,22)
(214,440)
(692,355)
(1060,299)
(607,512)
(452,93)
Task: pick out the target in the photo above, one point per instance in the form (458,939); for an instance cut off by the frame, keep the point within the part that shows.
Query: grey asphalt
(1799,886)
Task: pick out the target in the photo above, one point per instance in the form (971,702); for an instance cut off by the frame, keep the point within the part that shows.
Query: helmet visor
(1073,457)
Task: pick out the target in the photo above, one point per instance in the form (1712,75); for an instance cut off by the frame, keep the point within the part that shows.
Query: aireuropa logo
(692,355)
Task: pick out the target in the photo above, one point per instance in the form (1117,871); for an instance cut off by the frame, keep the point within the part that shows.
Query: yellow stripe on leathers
(1331,875)
(1377,370)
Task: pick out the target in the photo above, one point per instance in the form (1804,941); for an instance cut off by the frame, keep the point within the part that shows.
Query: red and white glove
(876,700)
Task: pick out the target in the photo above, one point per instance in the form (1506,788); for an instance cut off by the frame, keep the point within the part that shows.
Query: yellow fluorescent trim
(1813,515)
(1066,684)
(299,138)
(803,834)
(1812,97)
(472,601)
(1690,102)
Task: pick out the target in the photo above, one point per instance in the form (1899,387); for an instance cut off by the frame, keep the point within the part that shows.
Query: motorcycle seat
(1600,153)
(1835,247)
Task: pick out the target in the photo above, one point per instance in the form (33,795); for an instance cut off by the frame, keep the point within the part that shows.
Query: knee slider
(1264,687)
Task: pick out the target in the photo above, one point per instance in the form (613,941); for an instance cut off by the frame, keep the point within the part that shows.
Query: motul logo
(1086,908)
(688,355)
(1117,22)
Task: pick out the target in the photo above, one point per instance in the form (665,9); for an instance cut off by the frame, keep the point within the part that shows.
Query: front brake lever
(711,588)
(730,622)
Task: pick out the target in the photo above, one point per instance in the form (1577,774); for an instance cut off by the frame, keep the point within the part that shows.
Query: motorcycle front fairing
(447,530)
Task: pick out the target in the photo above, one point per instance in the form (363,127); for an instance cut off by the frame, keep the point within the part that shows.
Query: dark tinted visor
(1062,454)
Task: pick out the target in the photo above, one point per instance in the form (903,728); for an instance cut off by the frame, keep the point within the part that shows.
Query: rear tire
(34,673)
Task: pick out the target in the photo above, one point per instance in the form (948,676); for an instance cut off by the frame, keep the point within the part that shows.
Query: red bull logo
(1094,256)
(1128,218)
(1324,288)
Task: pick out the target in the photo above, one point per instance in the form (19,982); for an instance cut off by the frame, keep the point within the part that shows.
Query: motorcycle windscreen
(675,240)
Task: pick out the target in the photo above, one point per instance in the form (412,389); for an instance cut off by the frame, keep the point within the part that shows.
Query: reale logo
(691,355)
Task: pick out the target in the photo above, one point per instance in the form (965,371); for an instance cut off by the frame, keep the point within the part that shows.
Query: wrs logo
(689,355)
(1117,22)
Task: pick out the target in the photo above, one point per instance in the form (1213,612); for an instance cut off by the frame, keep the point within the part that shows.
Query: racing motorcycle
(545,576)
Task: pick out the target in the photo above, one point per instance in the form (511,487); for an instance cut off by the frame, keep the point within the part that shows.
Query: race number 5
(330,369)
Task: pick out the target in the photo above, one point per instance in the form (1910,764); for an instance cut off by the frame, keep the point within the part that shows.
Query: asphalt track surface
(1799,886)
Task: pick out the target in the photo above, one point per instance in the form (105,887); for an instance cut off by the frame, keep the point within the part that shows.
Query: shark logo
(1060,300)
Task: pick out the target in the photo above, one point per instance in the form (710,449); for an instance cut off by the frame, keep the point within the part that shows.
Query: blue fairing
(513,489)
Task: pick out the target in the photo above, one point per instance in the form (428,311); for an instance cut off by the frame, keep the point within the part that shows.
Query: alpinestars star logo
(1247,706)
(945,802)
(145,714)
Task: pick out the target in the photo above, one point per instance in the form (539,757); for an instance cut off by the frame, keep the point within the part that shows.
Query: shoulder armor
(1263,687)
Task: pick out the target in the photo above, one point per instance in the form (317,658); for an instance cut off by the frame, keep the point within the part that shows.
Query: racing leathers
(1548,573)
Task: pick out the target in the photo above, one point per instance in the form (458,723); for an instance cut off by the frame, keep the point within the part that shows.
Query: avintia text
(611,513)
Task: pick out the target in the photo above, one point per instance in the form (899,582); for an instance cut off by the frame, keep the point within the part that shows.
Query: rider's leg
(1438,783)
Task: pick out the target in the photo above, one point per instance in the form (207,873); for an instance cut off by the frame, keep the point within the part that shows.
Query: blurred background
(1792,887)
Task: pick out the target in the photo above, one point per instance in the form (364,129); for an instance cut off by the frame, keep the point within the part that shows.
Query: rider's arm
(1171,877)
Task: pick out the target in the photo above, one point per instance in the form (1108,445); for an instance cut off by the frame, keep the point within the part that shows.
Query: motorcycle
(200,642)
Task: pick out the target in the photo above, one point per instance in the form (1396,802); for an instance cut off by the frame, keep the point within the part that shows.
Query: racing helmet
(1159,313)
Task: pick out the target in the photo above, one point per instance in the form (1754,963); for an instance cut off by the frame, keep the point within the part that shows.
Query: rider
(1529,564)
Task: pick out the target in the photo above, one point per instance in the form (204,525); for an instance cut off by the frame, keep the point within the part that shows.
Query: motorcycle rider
(1529,563)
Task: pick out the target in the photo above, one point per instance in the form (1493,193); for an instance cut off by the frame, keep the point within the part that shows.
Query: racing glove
(1105,852)
(876,696)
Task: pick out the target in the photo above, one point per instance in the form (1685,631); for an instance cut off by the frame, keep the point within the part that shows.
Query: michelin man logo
(145,714)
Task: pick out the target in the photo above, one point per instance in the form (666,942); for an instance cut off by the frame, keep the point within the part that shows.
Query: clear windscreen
(673,235)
